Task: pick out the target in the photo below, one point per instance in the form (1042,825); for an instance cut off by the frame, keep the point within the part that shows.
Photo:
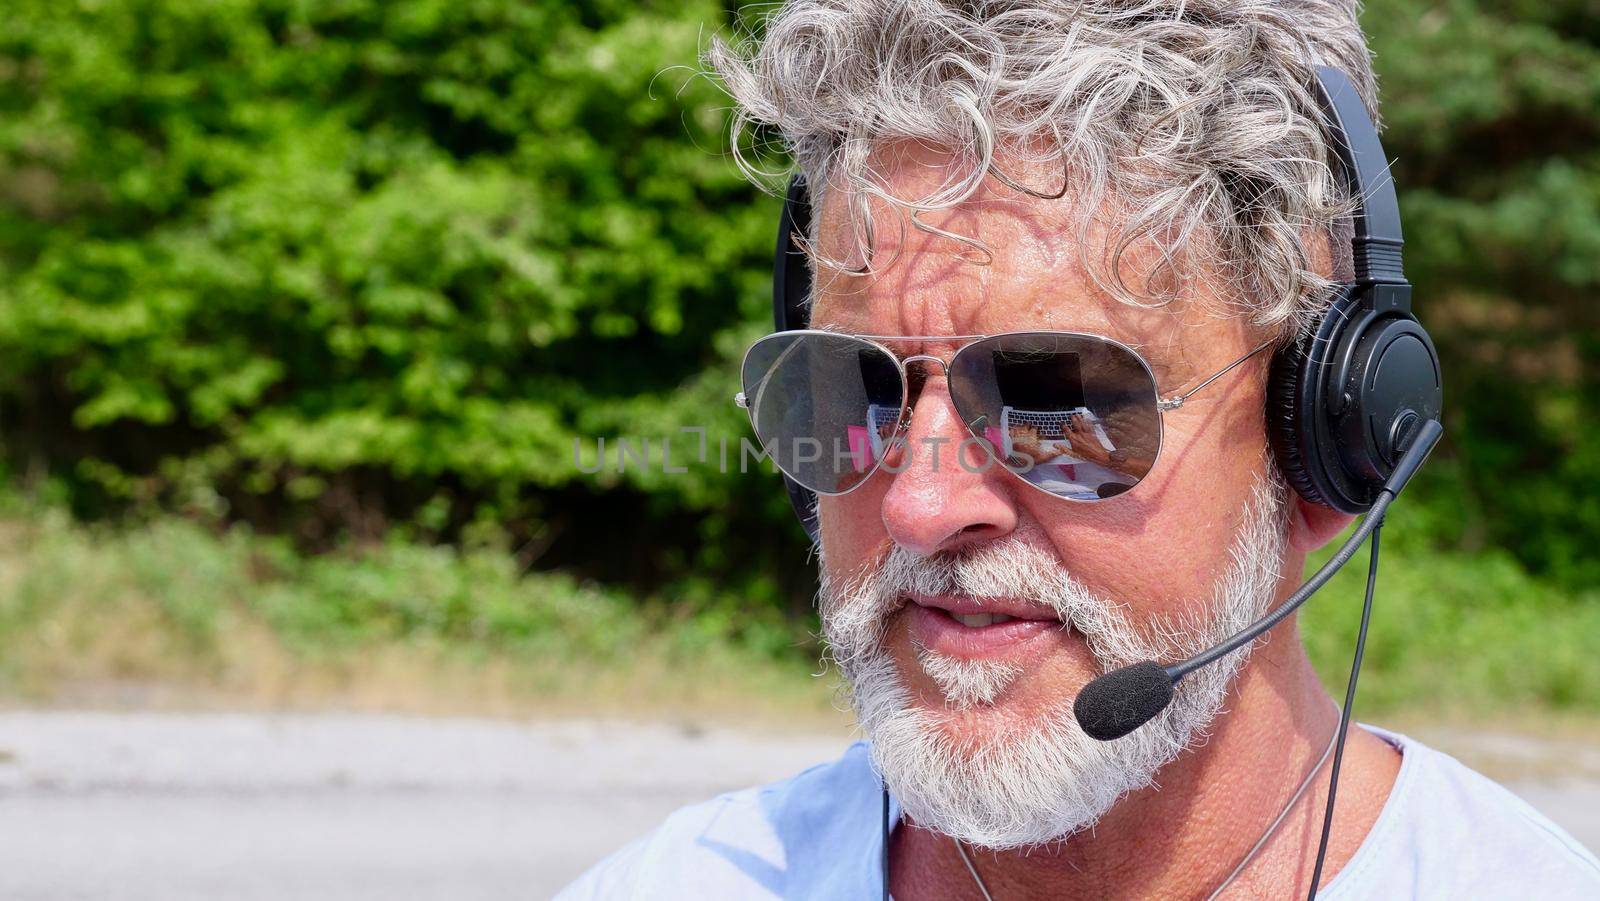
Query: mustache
(856,608)
(1009,567)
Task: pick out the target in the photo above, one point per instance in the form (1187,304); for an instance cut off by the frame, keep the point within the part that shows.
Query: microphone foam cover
(1123,700)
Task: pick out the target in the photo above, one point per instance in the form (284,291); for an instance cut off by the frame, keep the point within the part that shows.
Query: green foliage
(1493,115)
(335,261)
(341,268)
(1456,634)
(195,579)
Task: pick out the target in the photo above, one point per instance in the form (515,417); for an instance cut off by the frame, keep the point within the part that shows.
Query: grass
(172,614)
(1456,636)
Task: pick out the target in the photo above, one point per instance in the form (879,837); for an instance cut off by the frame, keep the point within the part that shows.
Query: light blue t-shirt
(1446,832)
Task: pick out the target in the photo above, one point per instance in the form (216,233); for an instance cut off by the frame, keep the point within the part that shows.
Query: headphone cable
(1344,715)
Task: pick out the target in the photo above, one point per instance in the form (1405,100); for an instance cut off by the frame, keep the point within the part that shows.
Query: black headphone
(1345,399)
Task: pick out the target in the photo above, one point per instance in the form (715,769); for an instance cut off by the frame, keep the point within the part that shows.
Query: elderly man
(1088,218)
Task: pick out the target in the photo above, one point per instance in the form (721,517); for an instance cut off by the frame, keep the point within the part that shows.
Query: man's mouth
(976,620)
(977,627)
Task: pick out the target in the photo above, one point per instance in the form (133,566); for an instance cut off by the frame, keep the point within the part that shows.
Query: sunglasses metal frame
(1162,404)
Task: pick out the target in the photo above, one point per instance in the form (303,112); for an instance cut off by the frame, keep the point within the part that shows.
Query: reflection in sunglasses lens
(1073,415)
(823,406)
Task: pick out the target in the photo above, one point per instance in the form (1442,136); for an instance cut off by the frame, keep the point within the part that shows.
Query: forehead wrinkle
(1036,280)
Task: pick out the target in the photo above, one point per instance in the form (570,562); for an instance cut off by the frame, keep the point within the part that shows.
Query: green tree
(330,265)
(1493,113)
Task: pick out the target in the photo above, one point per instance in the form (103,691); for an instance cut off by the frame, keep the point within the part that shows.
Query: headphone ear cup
(804,503)
(1283,420)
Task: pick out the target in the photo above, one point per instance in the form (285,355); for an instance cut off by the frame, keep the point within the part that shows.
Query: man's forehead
(1028,274)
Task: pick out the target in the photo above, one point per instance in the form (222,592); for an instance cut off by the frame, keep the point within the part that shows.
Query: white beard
(1040,784)
(967,683)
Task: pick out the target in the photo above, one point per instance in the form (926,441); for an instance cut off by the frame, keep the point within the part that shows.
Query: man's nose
(948,491)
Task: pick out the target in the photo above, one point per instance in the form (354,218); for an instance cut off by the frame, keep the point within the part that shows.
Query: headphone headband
(791,270)
(1365,172)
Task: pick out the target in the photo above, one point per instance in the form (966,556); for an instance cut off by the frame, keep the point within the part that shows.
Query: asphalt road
(136,806)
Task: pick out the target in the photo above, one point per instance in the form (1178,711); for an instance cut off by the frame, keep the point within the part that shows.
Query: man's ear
(1312,525)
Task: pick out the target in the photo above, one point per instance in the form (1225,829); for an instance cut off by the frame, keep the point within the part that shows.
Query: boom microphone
(1122,700)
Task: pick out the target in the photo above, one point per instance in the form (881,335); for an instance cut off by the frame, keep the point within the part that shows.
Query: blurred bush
(1493,114)
(330,267)
(348,268)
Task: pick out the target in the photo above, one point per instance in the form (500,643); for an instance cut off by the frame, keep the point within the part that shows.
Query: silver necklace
(1249,856)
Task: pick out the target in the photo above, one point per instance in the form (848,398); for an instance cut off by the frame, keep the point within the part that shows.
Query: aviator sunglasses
(1077,416)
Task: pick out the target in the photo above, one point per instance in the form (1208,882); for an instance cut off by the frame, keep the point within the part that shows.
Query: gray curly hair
(1194,122)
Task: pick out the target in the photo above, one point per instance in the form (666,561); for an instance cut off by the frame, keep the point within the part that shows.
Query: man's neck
(1213,803)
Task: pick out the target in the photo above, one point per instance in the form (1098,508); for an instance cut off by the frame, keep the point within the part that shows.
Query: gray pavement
(190,806)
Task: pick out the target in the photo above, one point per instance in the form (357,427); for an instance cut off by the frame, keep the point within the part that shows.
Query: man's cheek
(852,529)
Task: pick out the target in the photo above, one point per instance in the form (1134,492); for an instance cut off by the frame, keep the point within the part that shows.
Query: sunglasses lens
(1074,415)
(824,406)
